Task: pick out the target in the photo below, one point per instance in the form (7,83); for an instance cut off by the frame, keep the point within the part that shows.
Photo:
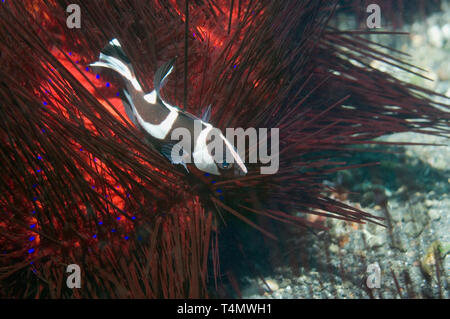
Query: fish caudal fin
(113,57)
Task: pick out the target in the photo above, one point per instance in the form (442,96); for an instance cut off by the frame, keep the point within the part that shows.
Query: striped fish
(158,119)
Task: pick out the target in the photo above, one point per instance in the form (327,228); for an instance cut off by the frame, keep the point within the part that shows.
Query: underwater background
(410,188)
(353,198)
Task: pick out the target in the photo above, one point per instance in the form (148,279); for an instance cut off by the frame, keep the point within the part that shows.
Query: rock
(434,214)
(428,262)
(338,229)
(446,31)
(412,229)
(345,178)
(444,71)
(273,285)
(435,37)
(334,248)
(368,199)
(415,213)
(285,282)
(277,295)
(373,241)
(417,40)
(428,203)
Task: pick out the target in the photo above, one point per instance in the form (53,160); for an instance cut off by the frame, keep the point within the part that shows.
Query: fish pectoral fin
(128,105)
(172,152)
(207,114)
(184,165)
(166,150)
(161,75)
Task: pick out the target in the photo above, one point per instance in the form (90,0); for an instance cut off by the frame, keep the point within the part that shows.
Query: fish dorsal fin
(161,75)
(207,114)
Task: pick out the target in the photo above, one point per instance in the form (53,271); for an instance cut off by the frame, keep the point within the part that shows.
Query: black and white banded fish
(158,119)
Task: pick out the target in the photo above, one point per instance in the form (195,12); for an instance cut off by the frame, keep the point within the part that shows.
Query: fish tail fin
(113,57)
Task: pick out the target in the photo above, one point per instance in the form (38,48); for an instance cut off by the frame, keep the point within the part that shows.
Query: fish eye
(225,165)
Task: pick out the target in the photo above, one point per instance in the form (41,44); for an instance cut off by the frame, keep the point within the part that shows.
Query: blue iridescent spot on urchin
(126,237)
(32,238)
(97,76)
(70,53)
(118,94)
(118,218)
(33,225)
(100,223)
(133,218)
(207,174)
(39,157)
(219,190)
(45,103)
(30,251)
(108,85)
(87,68)
(95,236)
(213,182)
(113,230)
